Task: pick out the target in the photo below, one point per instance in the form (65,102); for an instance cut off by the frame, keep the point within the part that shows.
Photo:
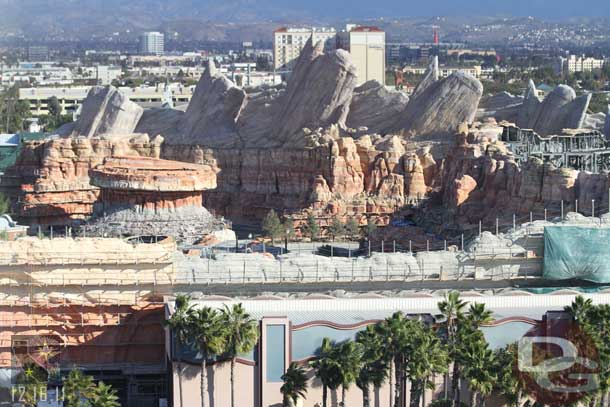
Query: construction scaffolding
(582,150)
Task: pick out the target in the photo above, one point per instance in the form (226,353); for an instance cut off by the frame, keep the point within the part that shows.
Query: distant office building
(367,47)
(288,43)
(152,43)
(37,53)
(579,63)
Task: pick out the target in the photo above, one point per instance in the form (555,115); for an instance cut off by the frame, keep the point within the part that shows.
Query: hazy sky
(538,8)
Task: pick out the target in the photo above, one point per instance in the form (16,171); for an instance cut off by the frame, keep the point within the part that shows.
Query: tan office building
(367,47)
(288,43)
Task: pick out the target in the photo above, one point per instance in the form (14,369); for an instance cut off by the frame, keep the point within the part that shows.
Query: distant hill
(227,19)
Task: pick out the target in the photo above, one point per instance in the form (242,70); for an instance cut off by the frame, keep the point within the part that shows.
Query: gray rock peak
(442,106)
(561,109)
(106,112)
(607,124)
(431,76)
(211,68)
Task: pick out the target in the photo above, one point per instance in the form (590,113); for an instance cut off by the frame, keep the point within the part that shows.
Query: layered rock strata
(50,178)
(150,196)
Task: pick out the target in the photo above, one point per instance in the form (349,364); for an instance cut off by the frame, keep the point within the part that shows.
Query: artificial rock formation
(105,112)
(375,108)
(319,92)
(430,77)
(211,117)
(220,115)
(51,180)
(142,195)
(607,124)
(440,107)
(561,109)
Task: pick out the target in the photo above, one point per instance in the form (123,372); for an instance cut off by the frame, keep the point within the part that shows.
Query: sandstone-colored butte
(151,183)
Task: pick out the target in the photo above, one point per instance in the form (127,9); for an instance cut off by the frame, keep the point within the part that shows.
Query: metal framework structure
(583,150)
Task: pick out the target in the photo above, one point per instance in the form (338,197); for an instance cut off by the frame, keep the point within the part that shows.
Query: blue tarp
(581,253)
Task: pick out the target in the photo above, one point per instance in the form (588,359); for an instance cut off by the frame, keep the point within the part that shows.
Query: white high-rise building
(288,43)
(152,42)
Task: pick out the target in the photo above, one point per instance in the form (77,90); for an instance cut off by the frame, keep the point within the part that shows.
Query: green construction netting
(581,253)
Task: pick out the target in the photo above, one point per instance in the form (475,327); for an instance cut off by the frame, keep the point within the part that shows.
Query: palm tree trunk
(415,394)
(397,382)
(593,401)
(391,382)
(604,398)
(455,384)
(285,401)
(324,395)
(473,399)
(232,382)
(180,381)
(343,391)
(204,380)
(366,402)
(423,393)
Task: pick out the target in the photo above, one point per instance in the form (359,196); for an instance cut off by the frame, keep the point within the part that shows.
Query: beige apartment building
(288,43)
(366,44)
(70,98)
(445,71)
(578,63)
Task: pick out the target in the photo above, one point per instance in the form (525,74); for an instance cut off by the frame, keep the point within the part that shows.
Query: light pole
(286,240)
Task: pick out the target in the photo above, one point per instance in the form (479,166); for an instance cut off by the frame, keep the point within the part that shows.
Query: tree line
(216,334)
(397,350)
(274,228)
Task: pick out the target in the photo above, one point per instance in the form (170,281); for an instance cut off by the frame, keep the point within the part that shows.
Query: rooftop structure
(583,150)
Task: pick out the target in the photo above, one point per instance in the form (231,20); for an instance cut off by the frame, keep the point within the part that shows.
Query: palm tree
(241,336)
(295,385)
(77,386)
(348,356)
(601,331)
(478,362)
(452,308)
(580,309)
(209,335)
(428,357)
(398,331)
(179,325)
(104,396)
(478,315)
(326,369)
(508,383)
(375,364)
